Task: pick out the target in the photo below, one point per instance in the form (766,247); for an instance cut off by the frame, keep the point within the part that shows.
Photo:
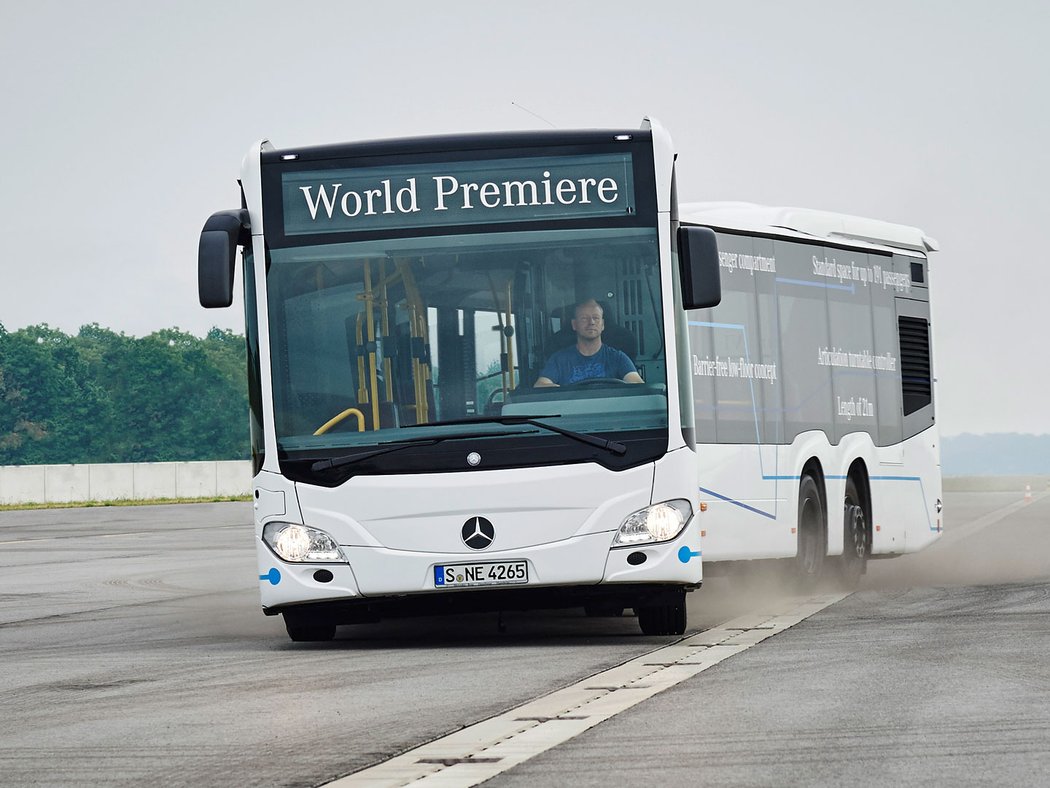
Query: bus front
(464,377)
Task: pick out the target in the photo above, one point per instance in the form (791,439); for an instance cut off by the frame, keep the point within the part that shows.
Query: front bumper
(580,569)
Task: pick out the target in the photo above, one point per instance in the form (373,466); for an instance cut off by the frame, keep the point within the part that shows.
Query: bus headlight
(300,544)
(657,523)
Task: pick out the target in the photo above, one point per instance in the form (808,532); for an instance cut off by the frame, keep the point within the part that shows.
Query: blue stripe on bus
(738,503)
(848,288)
(922,491)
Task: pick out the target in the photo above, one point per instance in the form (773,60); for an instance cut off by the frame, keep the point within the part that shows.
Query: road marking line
(993,517)
(481,751)
(118,534)
(80,536)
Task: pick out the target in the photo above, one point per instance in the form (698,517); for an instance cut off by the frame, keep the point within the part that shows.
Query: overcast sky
(124,125)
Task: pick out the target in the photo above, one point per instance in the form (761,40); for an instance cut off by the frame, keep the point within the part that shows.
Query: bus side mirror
(701,280)
(217,256)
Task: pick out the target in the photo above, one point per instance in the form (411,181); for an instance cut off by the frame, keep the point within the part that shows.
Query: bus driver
(588,358)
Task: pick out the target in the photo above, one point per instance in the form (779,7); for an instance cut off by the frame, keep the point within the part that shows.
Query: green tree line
(101,396)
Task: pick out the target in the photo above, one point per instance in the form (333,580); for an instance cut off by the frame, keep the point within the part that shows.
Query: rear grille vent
(915,363)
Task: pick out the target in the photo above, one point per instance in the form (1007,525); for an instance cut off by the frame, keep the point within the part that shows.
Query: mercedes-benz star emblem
(473,459)
(478,533)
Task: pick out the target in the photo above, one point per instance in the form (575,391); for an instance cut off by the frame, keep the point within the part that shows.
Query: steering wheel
(492,398)
(595,381)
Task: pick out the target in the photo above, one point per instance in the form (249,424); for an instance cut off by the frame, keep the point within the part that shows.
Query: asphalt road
(934,673)
(132,651)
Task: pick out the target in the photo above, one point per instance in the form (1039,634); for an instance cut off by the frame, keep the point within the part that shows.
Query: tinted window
(851,354)
(803,314)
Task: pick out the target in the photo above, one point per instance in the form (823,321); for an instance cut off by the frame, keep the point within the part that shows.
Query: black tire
(302,630)
(812,536)
(854,561)
(666,619)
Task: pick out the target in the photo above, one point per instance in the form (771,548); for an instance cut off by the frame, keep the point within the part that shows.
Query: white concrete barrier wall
(142,481)
(127,481)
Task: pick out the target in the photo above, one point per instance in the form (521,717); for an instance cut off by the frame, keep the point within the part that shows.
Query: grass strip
(10,507)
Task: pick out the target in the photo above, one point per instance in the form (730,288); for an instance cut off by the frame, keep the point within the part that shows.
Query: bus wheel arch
(811,526)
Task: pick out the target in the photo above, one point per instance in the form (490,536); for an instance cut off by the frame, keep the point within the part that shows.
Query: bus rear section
(813,391)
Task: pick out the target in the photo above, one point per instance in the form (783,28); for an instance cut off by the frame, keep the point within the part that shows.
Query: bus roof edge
(807,221)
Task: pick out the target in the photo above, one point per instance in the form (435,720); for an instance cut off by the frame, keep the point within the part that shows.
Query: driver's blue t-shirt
(568,365)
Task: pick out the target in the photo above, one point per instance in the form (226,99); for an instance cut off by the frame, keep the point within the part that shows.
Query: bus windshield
(373,340)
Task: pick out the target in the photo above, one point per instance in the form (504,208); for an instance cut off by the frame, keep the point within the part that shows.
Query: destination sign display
(454,193)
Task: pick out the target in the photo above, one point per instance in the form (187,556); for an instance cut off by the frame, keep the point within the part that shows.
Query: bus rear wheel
(812,541)
(666,619)
(304,630)
(854,561)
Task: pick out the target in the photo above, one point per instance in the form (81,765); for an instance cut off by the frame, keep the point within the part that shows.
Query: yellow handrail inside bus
(348,412)
(417,317)
(370,325)
(359,337)
(384,328)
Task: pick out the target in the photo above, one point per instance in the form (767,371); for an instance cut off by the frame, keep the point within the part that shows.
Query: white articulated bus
(812,389)
(491,372)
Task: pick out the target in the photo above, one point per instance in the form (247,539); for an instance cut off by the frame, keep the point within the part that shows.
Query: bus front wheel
(305,630)
(666,619)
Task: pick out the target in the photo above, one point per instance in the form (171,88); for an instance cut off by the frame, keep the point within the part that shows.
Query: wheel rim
(855,531)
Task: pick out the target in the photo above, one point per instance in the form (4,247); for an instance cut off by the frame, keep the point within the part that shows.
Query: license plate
(495,574)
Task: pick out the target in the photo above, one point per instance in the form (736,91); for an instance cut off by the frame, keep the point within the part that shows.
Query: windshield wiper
(392,446)
(350,459)
(339,462)
(591,440)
